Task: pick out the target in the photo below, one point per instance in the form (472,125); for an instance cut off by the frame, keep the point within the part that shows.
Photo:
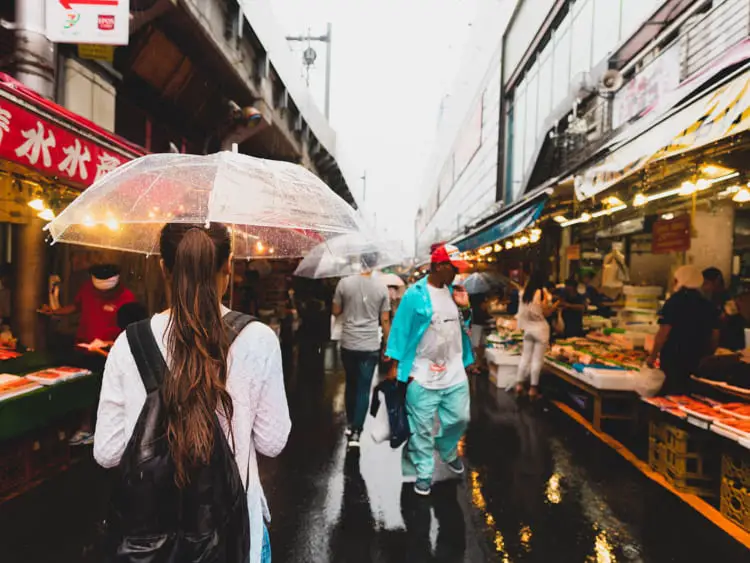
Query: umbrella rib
(145,192)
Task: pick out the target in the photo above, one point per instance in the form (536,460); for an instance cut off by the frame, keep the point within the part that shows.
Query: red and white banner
(41,138)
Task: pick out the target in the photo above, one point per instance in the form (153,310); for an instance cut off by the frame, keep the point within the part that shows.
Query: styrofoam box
(501,357)
(644,291)
(503,376)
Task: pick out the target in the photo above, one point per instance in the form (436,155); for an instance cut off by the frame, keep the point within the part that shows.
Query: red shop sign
(671,235)
(48,145)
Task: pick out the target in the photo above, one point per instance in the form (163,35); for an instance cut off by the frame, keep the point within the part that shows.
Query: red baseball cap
(449,253)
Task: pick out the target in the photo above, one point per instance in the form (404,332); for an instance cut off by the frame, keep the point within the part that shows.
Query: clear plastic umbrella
(484,282)
(391,280)
(275,209)
(349,254)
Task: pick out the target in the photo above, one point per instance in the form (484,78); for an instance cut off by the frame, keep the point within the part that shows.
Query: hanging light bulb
(112,224)
(508,245)
(742,196)
(37,204)
(88,221)
(46,214)
(688,188)
(497,247)
(271,250)
(259,246)
(560,219)
(639,200)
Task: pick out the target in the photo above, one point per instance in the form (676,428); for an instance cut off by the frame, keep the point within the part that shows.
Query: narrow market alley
(538,489)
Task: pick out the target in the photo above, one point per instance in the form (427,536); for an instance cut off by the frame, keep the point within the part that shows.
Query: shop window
(634,14)
(561,62)
(519,139)
(531,120)
(583,13)
(545,89)
(606,29)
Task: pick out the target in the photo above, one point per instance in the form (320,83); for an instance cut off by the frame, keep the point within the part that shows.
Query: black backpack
(153,520)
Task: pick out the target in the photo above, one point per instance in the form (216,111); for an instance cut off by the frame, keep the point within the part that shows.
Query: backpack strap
(236,322)
(147,355)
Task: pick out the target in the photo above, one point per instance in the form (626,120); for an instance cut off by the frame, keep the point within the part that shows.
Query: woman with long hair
(241,382)
(534,307)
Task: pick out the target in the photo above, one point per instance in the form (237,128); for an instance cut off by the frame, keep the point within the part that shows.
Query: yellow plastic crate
(656,456)
(735,503)
(736,469)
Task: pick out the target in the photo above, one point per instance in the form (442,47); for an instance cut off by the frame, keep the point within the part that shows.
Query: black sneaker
(456,466)
(354,439)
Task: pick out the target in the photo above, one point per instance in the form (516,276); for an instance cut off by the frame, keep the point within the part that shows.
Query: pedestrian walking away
(365,306)
(210,381)
(534,308)
(431,349)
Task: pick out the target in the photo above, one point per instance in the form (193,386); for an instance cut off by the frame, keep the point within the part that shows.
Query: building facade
(600,101)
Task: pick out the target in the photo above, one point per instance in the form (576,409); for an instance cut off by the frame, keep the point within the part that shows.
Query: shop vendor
(98,302)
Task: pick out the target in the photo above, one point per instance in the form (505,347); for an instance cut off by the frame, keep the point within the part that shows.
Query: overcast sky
(393,60)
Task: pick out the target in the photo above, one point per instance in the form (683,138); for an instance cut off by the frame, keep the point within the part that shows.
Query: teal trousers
(452,408)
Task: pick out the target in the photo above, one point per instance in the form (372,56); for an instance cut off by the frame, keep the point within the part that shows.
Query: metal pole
(328,72)
(35,54)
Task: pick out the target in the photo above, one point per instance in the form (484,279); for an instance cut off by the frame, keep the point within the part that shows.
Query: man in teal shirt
(431,348)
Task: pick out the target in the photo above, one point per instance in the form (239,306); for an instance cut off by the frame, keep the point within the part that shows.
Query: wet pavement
(538,488)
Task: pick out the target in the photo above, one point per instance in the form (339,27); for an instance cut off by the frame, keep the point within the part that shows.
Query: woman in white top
(243,383)
(535,305)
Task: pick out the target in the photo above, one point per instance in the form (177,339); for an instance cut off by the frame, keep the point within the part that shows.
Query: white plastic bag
(649,381)
(381,427)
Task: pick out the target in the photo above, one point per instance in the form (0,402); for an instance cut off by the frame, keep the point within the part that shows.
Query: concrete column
(35,54)
(29,292)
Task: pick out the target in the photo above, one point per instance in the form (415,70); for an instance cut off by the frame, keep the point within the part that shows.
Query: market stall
(41,403)
(48,155)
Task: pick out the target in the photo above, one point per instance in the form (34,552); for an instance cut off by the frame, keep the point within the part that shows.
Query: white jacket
(255,383)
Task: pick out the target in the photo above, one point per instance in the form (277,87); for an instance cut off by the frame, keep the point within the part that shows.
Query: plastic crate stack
(682,458)
(735,484)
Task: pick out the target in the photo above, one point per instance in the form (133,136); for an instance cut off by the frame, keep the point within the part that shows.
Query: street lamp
(309,56)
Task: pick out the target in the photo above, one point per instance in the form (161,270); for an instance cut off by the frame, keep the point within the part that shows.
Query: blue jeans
(359,368)
(452,408)
(265,555)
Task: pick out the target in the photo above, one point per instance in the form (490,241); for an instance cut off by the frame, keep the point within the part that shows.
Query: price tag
(698,422)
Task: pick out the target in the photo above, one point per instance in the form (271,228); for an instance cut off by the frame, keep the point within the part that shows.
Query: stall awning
(42,135)
(721,113)
(506,223)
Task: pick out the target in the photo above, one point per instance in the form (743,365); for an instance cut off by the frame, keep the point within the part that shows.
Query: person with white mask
(97,301)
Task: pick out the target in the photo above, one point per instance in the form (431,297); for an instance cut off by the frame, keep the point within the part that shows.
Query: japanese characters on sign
(104,22)
(29,140)
(671,235)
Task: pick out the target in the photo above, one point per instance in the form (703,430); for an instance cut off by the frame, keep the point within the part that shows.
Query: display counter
(35,426)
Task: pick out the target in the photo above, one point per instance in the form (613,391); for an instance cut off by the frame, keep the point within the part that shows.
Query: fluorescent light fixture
(667,216)
(585,217)
(609,211)
(639,200)
(560,219)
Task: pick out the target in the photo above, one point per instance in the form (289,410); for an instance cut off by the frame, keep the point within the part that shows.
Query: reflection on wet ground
(538,488)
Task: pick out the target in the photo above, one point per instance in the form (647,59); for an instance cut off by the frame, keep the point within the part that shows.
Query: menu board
(671,235)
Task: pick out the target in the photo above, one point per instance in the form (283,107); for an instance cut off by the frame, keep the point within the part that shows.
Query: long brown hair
(197,341)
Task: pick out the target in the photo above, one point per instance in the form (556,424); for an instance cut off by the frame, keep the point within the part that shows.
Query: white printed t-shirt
(439,361)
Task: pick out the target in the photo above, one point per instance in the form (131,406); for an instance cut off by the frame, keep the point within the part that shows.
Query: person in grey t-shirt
(364,304)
